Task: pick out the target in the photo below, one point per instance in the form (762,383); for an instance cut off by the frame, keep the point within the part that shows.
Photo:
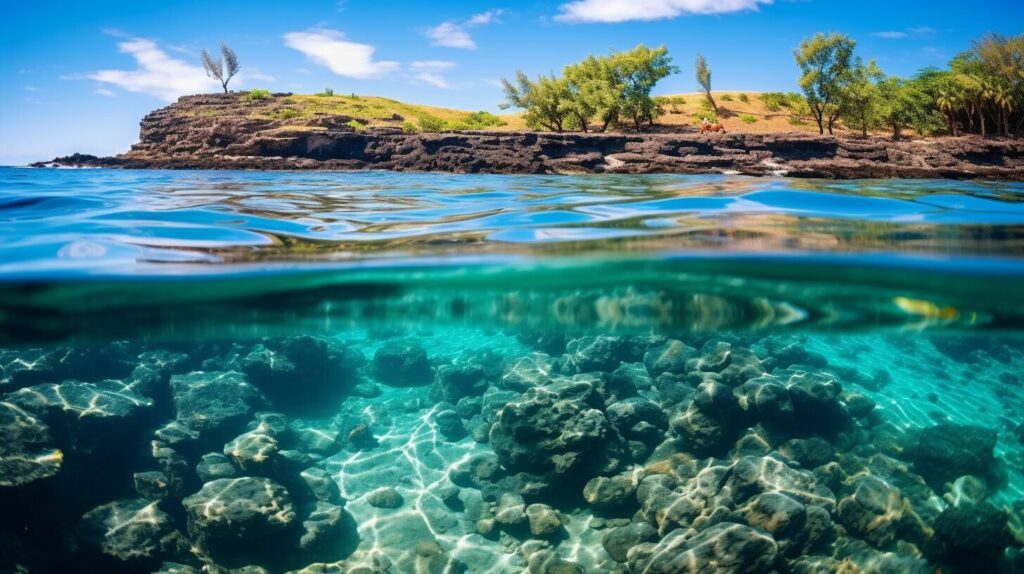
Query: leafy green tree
(595,90)
(859,98)
(223,68)
(826,63)
(902,104)
(704,79)
(639,70)
(545,100)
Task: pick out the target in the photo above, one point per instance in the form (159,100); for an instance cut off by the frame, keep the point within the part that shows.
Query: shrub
(356,126)
(748,119)
(288,113)
(745,98)
(705,111)
(775,101)
(409,127)
(354,96)
(257,95)
(328,92)
(727,98)
(429,123)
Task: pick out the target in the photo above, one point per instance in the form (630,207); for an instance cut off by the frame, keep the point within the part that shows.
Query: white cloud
(626,10)
(255,75)
(105,92)
(484,18)
(430,72)
(450,35)
(329,48)
(157,74)
(453,34)
(31,89)
(920,32)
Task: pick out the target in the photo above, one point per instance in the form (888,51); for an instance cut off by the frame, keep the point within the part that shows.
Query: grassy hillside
(757,112)
(751,112)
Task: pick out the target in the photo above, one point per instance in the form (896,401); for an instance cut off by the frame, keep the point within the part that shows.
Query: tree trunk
(636,122)
(711,101)
(981,120)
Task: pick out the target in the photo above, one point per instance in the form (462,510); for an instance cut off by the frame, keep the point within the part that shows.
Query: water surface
(379,372)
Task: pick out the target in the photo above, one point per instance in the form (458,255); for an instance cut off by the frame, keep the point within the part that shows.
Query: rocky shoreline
(210,132)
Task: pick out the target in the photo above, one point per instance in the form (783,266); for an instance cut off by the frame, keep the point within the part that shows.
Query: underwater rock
(743,365)
(724,547)
(765,398)
(779,515)
(81,405)
(601,353)
(945,452)
(385,498)
(253,451)
(714,356)
(544,520)
(320,485)
(303,374)
(672,356)
(237,509)
(153,485)
(402,364)
(789,351)
(449,424)
(26,452)
(453,382)
(971,537)
(522,374)
(710,421)
(215,465)
(322,527)
(611,492)
(214,402)
(543,434)
(873,511)
(314,438)
(809,452)
(132,530)
(618,541)
(26,367)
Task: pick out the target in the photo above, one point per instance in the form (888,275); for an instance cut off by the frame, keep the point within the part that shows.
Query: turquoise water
(378,372)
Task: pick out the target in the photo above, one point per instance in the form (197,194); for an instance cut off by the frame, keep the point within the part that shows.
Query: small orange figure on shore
(706,126)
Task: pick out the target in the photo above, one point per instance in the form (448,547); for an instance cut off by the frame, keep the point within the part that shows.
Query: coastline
(214,132)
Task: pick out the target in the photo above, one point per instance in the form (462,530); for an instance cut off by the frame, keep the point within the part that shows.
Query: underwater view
(423,373)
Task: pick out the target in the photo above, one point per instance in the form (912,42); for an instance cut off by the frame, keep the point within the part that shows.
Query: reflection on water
(97,220)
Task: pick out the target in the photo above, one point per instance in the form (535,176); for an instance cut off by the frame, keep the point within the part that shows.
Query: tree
(639,70)
(594,89)
(902,104)
(597,91)
(545,100)
(859,99)
(704,79)
(223,68)
(825,62)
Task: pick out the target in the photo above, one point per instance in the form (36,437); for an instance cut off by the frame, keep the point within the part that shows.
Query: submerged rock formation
(221,131)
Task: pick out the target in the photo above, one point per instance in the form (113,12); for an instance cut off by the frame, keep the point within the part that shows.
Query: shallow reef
(391,450)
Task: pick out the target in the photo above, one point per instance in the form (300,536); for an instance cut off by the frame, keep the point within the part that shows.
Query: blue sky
(78,76)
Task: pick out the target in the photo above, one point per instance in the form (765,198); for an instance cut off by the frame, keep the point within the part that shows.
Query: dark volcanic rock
(402,365)
(971,537)
(213,401)
(218,131)
(945,452)
(239,509)
(26,453)
(132,530)
(724,547)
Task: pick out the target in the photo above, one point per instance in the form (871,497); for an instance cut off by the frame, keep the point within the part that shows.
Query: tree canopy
(826,64)
(223,68)
(594,93)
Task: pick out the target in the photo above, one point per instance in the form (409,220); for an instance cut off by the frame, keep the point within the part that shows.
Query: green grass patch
(257,95)
(748,119)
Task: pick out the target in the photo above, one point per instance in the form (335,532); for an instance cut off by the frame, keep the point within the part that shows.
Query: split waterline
(323,372)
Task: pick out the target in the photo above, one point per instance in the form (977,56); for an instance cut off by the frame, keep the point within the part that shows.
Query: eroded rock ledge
(210,132)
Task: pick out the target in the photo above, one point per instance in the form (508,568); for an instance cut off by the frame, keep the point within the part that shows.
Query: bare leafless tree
(223,68)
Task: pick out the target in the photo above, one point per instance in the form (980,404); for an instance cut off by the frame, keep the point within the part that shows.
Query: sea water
(379,372)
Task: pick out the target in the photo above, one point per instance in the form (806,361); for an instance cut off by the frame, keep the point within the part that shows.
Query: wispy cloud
(920,32)
(31,89)
(430,72)
(610,11)
(105,92)
(454,33)
(156,74)
(330,48)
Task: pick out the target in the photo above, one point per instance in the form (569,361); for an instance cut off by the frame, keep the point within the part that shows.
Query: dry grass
(730,114)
